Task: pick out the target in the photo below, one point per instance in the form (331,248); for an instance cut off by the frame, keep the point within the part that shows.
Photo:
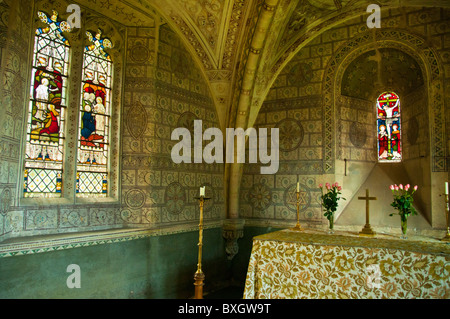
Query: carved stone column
(233,229)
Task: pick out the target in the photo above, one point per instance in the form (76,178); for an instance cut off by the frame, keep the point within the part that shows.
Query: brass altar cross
(367,230)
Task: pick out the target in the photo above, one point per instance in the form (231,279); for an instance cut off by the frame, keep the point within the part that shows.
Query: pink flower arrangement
(330,199)
(403,203)
(403,199)
(401,187)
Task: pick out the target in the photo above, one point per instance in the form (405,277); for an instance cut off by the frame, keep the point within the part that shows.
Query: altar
(313,264)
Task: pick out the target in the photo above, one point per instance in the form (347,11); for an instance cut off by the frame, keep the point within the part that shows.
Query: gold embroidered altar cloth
(316,265)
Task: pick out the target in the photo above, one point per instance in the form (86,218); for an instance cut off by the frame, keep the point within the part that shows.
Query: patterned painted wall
(395,70)
(345,129)
(415,125)
(31,217)
(14,40)
(294,105)
(164,90)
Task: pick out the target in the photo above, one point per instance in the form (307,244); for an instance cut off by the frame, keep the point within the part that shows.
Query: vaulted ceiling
(241,45)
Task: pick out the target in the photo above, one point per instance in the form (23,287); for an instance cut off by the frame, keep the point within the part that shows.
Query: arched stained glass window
(389,128)
(44,148)
(93,139)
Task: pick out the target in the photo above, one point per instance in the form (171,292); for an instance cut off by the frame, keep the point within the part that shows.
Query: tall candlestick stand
(297,226)
(447,212)
(199,276)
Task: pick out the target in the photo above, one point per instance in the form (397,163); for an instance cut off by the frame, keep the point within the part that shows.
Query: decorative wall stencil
(186,120)
(73,218)
(235,27)
(5,200)
(329,120)
(139,53)
(135,198)
(175,198)
(397,69)
(148,124)
(207,17)
(303,13)
(353,112)
(40,219)
(130,216)
(100,217)
(290,134)
(412,133)
(145,156)
(300,74)
(211,28)
(290,197)
(358,135)
(260,196)
(180,63)
(136,120)
(408,43)
(122,12)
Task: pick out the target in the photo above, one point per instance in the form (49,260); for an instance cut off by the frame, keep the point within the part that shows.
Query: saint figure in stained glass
(93,146)
(46,116)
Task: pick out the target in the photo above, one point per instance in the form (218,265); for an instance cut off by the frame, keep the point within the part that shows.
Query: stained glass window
(44,148)
(389,128)
(93,139)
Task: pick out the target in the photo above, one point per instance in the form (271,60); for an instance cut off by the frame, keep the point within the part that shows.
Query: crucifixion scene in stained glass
(389,128)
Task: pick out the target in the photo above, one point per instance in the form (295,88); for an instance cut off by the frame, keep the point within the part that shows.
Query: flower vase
(404,224)
(331,224)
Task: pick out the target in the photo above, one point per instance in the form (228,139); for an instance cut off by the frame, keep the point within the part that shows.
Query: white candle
(202,191)
(446,188)
(298,187)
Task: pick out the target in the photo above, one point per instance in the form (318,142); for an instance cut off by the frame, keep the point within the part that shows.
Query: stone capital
(233,229)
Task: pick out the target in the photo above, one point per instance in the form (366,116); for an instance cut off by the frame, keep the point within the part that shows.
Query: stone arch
(431,69)
(367,102)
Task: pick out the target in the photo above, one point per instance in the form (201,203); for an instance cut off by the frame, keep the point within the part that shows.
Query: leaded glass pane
(389,128)
(93,141)
(47,109)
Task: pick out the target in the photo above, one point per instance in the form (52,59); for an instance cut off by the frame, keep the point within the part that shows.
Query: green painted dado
(151,267)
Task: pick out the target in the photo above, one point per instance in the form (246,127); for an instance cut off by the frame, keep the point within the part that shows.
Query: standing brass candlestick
(297,226)
(447,212)
(199,276)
